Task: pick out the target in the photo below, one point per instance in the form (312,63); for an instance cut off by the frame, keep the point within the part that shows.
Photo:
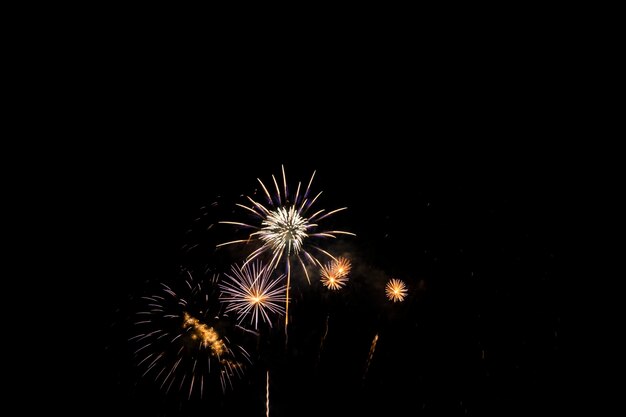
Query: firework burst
(285,225)
(184,346)
(396,290)
(250,291)
(335,273)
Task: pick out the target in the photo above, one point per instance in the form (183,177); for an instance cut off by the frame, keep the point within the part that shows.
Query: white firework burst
(284,226)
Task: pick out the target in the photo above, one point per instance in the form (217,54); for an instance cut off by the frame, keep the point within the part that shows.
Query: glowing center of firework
(257,299)
(284,228)
(206,334)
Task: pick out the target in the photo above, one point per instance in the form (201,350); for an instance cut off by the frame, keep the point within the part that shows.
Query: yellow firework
(396,290)
(335,273)
(342,266)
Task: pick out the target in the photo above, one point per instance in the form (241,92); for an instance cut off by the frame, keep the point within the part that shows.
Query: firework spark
(251,291)
(396,290)
(335,273)
(179,341)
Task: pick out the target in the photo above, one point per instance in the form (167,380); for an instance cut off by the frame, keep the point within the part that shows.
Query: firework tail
(267,394)
(287,303)
(370,356)
(323,339)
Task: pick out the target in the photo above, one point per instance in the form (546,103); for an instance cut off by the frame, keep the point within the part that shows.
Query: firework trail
(286,227)
(267,395)
(370,356)
(323,339)
(182,344)
(396,290)
(250,291)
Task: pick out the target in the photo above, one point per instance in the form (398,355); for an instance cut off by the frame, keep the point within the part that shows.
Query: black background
(452,184)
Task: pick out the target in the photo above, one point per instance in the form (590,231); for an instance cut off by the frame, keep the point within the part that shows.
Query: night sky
(455,151)
(450,187)
(475,240)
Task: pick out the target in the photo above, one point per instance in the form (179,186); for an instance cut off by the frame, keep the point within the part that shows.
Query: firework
(184,347)
(284,226)
(335,273)
(250,291)
(396,290)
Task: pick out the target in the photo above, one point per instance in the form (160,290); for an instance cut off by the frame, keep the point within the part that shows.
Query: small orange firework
(396,290)
(335,273)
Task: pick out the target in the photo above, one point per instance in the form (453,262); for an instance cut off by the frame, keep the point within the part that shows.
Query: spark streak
(371,355)
(323,339)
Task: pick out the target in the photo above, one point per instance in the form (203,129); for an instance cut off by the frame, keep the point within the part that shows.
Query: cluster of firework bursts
(335,273)
(191,336)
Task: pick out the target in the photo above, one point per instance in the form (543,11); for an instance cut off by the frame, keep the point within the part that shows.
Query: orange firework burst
(396,290)
(335,273)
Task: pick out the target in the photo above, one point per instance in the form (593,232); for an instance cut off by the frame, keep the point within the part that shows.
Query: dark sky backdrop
(450,186)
